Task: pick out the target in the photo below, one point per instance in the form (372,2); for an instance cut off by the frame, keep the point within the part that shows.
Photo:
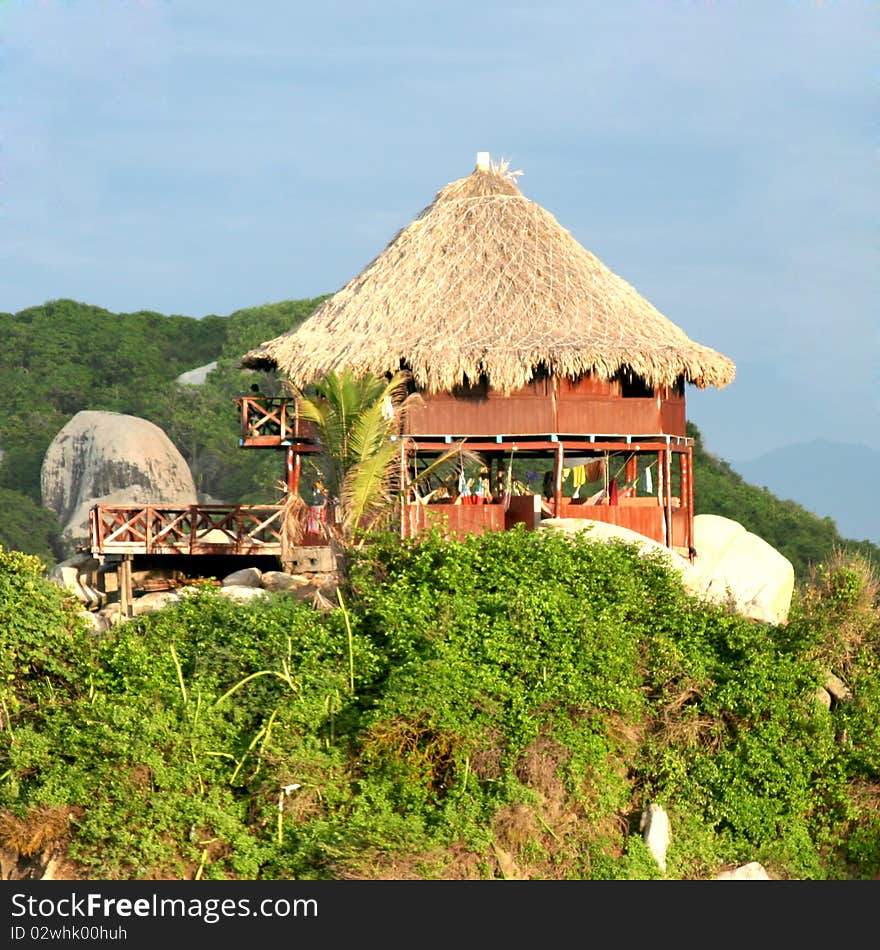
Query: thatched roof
(485,281)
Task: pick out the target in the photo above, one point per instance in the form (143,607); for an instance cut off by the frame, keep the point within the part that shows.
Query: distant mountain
(836,480)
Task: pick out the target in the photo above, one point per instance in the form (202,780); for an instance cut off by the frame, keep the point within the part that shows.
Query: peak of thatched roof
(486,282)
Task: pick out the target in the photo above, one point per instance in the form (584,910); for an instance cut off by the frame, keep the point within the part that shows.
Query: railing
(271,421)
(193,529)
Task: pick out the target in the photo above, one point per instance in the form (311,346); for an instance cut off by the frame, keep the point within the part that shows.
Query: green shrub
(504,706)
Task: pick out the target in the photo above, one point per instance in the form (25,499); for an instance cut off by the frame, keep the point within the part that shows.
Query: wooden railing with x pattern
(268,421)
(193,529)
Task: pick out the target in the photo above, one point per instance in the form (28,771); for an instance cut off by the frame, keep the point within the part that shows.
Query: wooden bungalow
(525,346)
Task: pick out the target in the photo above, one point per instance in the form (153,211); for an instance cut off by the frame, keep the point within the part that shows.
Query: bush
(504,706)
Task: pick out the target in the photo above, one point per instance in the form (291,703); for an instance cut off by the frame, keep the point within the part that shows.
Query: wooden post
(667,478)
(294,469)
(126,594)
(661,492)
(403,489)
(557,480)
(690,496)
(243,421)
(631,473)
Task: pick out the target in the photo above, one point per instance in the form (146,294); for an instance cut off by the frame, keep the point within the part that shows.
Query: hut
(525,346)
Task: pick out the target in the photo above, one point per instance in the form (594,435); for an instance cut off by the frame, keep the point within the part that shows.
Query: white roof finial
(483,161)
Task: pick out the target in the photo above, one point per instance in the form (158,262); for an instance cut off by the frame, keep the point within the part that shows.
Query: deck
(274,423)
(194,529)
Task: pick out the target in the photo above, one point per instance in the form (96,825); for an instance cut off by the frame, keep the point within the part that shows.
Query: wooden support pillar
(404,493)
(684,496)
(667,500)
(126,594)
(294,469)
(631,473)
(557,480)
(689,459)
(661,494)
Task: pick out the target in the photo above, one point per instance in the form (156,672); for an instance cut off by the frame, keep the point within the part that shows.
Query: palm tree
(359,421)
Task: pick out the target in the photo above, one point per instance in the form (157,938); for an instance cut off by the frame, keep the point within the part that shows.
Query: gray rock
(732,565)
(278,581)
(96,621)
(155,600)
(753,871)
(79,575)
(654,826)
(837,688)
(110,458)
(823,697)
(197,376)
(246,577)
(735,566)
(110,616)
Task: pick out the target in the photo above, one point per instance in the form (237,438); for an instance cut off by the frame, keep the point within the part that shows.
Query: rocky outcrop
(197,376)
(110,458)
(80,575)
(732,566)
(604,531)
(99,595)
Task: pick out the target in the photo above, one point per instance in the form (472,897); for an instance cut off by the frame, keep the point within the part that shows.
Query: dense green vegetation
(500,707)
(64,356)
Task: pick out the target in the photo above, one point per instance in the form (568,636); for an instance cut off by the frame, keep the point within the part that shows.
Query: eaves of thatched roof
(485,282)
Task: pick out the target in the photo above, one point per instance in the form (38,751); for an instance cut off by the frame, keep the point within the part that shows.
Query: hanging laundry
(317,514)
(612,492)
(649,484)
(595,470)
(578,478)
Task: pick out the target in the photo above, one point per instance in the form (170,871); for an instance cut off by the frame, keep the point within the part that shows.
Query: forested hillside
(65,356)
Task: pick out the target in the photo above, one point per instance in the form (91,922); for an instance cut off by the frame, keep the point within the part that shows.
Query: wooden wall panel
(518,414)
(673,416)
(645,519)
(584,407)
(590,415)
(460,519)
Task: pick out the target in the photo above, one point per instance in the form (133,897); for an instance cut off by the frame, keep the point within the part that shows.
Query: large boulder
(110,458)
(604,531)
(734,566)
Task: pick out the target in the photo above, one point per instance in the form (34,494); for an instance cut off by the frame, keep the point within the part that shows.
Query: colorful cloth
(317,514)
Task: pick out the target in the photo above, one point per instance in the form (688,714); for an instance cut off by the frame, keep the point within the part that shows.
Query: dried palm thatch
(485,282)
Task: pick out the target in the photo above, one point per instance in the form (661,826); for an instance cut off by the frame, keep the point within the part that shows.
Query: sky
(202,156)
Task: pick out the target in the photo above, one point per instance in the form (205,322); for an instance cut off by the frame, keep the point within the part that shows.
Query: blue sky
(201,156)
